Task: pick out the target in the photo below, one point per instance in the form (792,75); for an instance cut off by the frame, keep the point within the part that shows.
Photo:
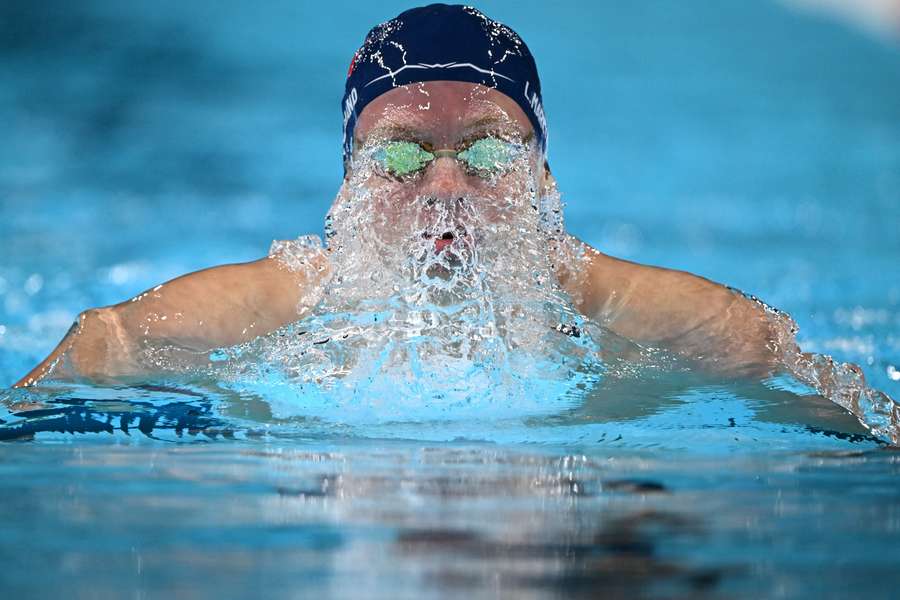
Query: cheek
(393,200)
(511,193)
(396,211)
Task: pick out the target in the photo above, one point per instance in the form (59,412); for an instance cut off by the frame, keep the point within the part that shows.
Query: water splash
(842,383)
(438,307)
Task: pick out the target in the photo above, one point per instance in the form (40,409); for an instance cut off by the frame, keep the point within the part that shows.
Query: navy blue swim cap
(442,43)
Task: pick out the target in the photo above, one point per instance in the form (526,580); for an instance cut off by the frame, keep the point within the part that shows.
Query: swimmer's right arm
(212,308)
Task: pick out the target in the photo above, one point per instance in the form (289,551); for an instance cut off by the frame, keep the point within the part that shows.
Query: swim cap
(441,42)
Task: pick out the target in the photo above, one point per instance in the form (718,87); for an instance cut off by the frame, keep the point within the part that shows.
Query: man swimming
(446,190)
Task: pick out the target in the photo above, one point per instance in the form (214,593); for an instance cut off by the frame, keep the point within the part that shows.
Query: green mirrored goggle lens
(489,155)
(402,158)
(486,156)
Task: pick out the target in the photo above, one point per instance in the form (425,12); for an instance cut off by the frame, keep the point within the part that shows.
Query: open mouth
(445,239)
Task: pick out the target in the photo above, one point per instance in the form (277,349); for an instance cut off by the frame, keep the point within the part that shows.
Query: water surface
(746,142)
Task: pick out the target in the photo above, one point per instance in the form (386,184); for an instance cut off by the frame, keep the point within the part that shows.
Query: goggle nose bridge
(445,153)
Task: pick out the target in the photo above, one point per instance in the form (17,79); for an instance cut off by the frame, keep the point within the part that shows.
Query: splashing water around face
(438,308)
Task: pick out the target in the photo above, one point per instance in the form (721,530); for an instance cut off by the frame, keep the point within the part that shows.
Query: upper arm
(215,307)
(694,316)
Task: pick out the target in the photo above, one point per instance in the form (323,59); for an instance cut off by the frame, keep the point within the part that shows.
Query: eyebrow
(487,123)
(494,124)
(392,131)
(490,122)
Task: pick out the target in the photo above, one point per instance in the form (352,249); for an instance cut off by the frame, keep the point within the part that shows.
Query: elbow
(92,346)
(94,317)
(758,343)
(95,346)
(99,346)
(91,325)
(747,343)
(52,364)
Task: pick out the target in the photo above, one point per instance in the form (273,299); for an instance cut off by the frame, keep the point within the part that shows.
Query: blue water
(748,142)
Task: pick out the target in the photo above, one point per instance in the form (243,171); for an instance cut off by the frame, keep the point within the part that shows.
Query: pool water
(753,143)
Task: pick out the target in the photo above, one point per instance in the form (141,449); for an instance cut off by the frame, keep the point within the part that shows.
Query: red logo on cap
(352,64)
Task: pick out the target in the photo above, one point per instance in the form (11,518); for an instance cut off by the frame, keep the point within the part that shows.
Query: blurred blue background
(755,143)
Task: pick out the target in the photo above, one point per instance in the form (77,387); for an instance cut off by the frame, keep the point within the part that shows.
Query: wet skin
(707,323)
(443,116)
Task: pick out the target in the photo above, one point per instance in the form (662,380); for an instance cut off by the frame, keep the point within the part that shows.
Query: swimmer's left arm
(706,322)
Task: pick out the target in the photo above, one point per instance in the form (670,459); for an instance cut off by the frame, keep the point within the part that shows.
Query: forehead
(441,111)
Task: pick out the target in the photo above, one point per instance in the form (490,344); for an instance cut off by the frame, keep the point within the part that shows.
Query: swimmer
(442,119)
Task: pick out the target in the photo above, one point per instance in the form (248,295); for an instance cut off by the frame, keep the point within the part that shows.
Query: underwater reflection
(424,517)
(617,558)
(439,519)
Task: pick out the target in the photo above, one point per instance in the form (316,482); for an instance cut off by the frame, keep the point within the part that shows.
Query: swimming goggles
(484,157)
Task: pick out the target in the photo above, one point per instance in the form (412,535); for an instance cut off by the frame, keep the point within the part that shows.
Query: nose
(444,179)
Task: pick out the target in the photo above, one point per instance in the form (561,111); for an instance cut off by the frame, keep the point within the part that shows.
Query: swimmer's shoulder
(602,284)
(297,268)
(581,256)
(589,275)
(272,291)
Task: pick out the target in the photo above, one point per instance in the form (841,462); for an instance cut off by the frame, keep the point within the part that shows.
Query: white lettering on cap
(349,106)
(535,102)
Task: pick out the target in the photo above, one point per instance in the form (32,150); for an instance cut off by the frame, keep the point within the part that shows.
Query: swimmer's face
(403,146)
